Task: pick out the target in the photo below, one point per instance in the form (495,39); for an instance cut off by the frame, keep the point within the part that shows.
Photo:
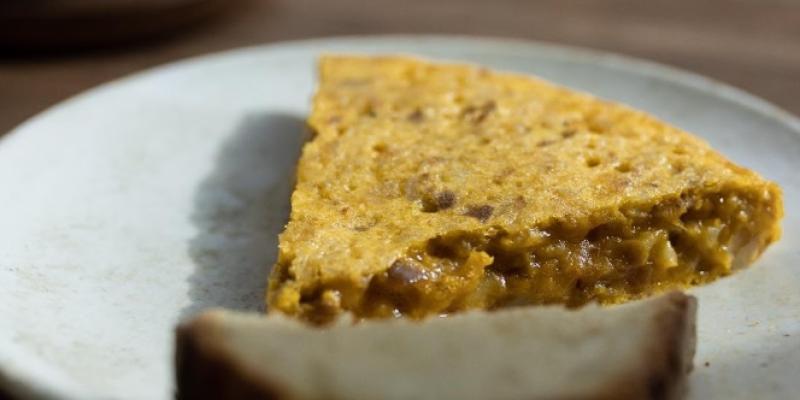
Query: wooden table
(752,44)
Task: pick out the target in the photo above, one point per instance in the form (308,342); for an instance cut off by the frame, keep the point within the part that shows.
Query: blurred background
(52,49)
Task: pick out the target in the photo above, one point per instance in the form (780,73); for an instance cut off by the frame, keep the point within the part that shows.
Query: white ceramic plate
(132,206)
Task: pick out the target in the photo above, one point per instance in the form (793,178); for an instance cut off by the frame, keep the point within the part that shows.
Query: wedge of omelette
(432,188)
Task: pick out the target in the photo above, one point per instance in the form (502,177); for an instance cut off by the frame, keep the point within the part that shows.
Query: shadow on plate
(240,209)
(764,367)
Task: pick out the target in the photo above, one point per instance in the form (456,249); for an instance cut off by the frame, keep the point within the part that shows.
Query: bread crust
(668,359)
(206,370)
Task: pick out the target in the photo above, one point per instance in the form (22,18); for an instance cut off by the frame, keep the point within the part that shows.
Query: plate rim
(26,383)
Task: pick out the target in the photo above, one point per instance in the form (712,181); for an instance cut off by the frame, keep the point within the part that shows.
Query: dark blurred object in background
(752,44)
(60,25)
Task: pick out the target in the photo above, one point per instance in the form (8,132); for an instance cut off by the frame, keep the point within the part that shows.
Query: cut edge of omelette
(605,254)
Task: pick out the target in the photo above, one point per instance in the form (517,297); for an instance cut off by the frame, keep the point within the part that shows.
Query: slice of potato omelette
(433,188)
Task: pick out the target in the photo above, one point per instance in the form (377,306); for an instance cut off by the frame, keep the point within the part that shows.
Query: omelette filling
(687,241)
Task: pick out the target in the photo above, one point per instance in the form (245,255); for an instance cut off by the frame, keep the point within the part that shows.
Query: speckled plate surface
(139,203)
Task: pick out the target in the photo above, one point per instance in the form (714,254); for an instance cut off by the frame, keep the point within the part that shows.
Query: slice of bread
(639,350)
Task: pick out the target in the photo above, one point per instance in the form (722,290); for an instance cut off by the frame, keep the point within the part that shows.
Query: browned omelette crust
(433,188)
